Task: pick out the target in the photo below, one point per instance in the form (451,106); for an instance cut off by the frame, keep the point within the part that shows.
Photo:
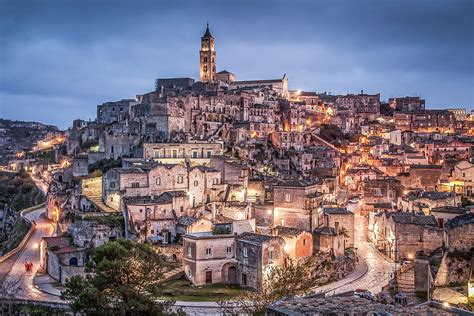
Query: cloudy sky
(59,59)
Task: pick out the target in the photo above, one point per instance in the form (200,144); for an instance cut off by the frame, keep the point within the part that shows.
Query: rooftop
(256,238)
(461,220)
(336,210)
(287,231)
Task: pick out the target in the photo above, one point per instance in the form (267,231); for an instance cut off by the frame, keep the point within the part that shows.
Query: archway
(73,261)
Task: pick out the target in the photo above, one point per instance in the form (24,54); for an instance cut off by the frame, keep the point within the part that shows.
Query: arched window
(205,68)
(73,261)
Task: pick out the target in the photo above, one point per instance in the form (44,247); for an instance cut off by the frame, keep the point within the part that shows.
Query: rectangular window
(215,181)
(287,197)
(196,183)
(158,181)
(175,153)
(180,179)
(229,250)
(156,154)
(112,185)
(304,242)
(135,184)
(182,209)
(209,154)
(245,252)
(208,251)
(270,256)
(195,154)
(189,251)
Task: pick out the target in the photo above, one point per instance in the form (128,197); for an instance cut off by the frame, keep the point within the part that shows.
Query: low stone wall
(28,234)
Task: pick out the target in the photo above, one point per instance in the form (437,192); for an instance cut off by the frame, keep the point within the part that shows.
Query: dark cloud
(59,59)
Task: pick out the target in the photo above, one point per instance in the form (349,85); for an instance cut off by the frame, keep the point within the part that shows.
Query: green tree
(124,278)
(278,282)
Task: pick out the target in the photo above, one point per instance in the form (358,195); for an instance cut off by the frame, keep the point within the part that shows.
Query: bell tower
(207,58)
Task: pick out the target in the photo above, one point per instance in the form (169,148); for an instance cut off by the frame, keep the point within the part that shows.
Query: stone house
(401,234)
(342,220)
(425,201)
(459,232)
(383,190)
(80,166)
(298,242)
(445,213)
(153,218)
(96,230)
(60,259)
(326,239)
(296,204)
(194,150)
(257,254)
(190,225)
(209,258)
(118,182)
(462,179)
(424,177)
(354,177)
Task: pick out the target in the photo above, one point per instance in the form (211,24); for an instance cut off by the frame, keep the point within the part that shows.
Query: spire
(208,33)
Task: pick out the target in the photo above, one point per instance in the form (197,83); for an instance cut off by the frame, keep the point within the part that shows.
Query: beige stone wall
(92,186)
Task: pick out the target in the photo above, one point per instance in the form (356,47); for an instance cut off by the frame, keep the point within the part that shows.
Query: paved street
(379,268)
(21,282)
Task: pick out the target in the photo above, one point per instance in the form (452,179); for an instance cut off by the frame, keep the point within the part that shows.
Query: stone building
(153,218)
(459,232)
(326,239)
(60,259)
(425,177)
(80,166)
(382,190)
(298,242)
(195,151)
(209,258)
(405,104)
(191,225)
(427,200)
(424,120)
(110,112)
(296,204)
(257,254)
(341,220)
(401,234)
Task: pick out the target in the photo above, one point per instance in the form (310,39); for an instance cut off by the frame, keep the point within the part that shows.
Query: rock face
(326,269)
(455,268)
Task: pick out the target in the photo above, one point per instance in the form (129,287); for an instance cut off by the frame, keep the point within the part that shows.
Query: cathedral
(208,74)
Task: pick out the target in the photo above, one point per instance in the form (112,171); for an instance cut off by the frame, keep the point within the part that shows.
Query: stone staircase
(173,274)
(97,201)
(406,283)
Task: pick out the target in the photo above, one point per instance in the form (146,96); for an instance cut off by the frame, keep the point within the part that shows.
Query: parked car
(364,293)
